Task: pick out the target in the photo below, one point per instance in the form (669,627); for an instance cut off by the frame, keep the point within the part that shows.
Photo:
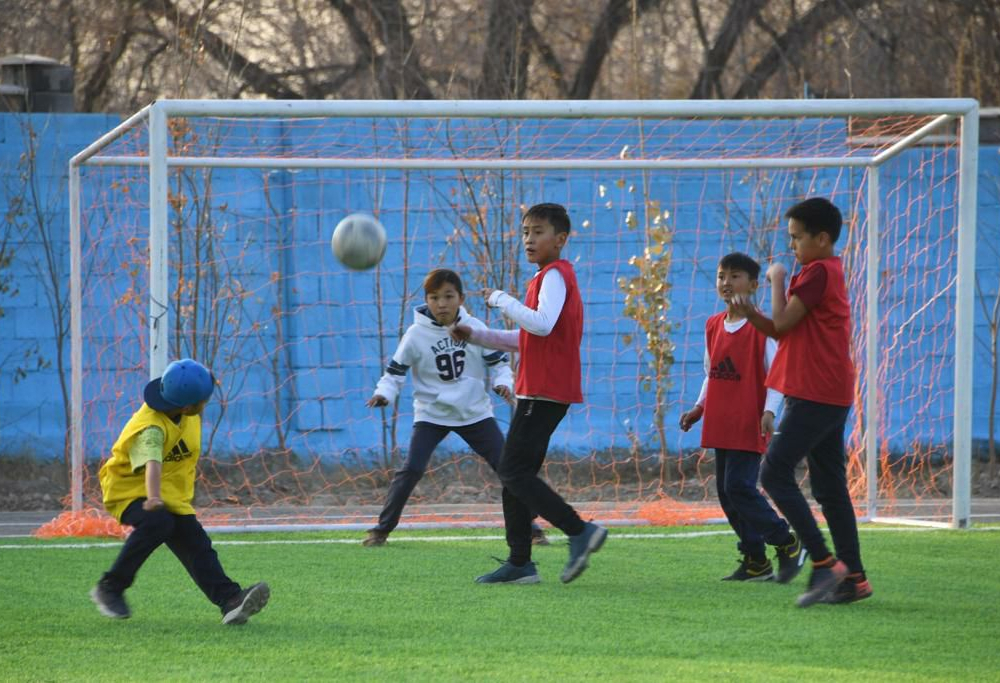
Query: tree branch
(737,20)
(97,83)
(505,59)
(794,40)
(615,15)
(256,77)
(406,78)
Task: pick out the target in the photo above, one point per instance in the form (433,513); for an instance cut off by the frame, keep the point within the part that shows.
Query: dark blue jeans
(814,431)
(484,437)
(750,515)
(185,537)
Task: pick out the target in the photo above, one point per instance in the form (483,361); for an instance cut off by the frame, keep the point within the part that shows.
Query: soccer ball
(358,241)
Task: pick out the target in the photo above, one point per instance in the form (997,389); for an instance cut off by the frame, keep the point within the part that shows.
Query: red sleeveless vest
(736,393)
(549,366)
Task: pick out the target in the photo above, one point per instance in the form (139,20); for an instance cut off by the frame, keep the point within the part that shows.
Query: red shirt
(735,399)
(814,358)
(550,366)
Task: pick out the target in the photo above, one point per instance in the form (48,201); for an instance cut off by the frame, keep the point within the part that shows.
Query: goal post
(198,227)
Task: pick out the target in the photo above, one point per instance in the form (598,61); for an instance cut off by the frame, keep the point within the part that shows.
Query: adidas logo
(725,370)
(178,453)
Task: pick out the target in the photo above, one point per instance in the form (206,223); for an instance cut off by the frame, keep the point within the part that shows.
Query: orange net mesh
(298,342)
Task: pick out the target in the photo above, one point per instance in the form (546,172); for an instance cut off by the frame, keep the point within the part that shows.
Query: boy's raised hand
(377,401)
(460,332)
(776,272)
(690,417)
(742,304)
(488,295)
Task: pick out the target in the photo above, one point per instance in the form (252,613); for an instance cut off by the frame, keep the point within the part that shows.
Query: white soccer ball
(358,241)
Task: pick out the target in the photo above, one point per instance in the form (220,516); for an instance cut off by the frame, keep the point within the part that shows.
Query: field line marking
(447,539)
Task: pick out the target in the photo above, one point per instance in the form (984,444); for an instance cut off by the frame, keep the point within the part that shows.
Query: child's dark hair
(740,261)
(439,277)
(817,215)
(555,214)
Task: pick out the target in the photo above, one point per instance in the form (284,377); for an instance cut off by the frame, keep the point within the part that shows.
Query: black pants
(525,494)
(484,437)
(750,515)
(185,537)
(814,431)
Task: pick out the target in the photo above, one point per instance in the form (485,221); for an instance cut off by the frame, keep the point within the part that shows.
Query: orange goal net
(245,201)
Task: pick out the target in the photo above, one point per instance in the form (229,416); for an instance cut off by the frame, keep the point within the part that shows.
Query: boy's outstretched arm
(499,340)
(392,380)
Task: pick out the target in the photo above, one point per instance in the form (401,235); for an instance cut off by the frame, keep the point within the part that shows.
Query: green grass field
(649,608)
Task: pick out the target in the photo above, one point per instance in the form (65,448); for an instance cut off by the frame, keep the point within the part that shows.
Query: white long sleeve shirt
(540,321)
(449,377)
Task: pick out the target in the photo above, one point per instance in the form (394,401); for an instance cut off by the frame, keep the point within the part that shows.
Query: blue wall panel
(336,372)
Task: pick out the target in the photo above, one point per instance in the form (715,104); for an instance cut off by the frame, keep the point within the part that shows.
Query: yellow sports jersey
(181,448)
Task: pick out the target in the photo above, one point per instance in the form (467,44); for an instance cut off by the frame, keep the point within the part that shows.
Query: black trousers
(185,537)
(814,431)
(750,515)
(525,494)
(484,437)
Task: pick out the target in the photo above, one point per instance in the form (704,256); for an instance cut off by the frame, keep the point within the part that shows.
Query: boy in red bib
(739,419)
(548,381)
(813,369)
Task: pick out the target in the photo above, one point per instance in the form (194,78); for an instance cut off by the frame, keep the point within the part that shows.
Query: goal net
(202,229)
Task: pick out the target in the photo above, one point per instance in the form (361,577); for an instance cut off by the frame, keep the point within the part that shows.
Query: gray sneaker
(581,546)
(823,584)
(110,603)
(245,604)
(509,573)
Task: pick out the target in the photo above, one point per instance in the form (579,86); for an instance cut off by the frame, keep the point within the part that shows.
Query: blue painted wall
(330,373)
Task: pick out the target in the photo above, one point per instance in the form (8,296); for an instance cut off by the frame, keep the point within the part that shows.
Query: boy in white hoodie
(449,391)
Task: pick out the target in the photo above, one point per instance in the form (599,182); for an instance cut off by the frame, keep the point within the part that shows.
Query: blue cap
(184,383)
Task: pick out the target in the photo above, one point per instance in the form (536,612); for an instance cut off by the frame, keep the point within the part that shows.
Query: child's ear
(753,286)
(561,239)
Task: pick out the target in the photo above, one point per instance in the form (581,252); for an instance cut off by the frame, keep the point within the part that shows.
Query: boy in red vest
(548,381)
(739,418)
(813,369)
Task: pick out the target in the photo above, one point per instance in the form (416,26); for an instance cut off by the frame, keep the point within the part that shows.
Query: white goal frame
(157,115)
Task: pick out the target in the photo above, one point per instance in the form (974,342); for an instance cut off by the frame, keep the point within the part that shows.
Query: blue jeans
(484,437)
(814,431)
(750,515)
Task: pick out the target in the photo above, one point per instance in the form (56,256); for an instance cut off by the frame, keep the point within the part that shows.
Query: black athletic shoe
(581,546)
(823,582)
(509,573)
(375,538)
(538,536)
(849,591)
(110,603)
(752,571)
(790,558)
(246,603)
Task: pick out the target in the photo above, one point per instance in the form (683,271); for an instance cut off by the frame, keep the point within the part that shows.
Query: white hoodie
(448,376)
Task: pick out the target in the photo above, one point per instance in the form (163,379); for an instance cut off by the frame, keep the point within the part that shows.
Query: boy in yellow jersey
(148,484)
